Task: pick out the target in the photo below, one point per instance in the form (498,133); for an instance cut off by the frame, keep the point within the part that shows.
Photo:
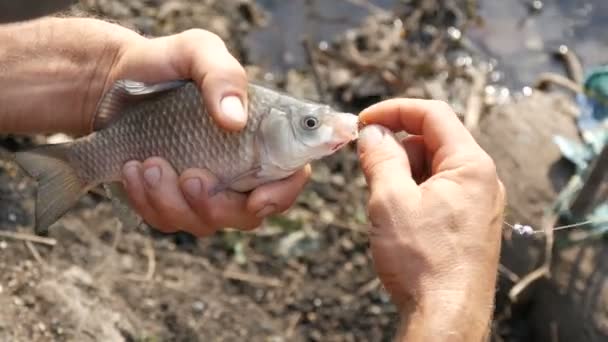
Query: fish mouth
(337,146)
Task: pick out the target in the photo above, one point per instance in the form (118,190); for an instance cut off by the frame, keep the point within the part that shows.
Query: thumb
(384,161)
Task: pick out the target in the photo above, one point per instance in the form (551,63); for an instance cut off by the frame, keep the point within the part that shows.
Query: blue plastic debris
(593,129)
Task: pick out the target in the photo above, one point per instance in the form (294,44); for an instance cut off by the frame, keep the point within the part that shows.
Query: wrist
(62,66)
(454,310)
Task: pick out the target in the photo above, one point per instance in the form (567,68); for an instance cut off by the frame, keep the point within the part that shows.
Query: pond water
(520,40)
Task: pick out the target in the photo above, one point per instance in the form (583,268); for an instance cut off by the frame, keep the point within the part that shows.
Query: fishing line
(528,230)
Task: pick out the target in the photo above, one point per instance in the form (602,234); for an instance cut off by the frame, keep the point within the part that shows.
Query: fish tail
(59,186)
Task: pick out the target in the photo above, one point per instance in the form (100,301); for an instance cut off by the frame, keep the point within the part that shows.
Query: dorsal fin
(125,93)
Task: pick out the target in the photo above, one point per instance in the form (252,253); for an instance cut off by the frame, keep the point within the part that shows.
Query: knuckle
(205,36)
(486,165)
(381,201)
(197,37)
(440,107)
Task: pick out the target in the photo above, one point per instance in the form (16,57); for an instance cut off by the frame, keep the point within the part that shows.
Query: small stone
(338,180)
(12,217)
(269,77)
(327,216)
(1,289)
(536,6)
(464,61)
(347,244)
(317,302)
(454,33)
(316,335)
(527,91)
(375,310)
(41,326)
(198,306)
(18,301)
(3,244)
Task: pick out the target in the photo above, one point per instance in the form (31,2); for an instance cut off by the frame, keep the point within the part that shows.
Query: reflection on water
(521,42)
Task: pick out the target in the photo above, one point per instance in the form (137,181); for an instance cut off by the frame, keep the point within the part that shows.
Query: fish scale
(136,121)
(209,147)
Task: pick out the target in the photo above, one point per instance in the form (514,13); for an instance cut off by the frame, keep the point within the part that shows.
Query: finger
(416,154)
(132,175)
(227,209)
(163,195)
(198,55)
(223,81)
(434,120)
(384,161)
(278,196)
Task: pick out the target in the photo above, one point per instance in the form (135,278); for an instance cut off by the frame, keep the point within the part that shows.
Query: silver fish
(135,121)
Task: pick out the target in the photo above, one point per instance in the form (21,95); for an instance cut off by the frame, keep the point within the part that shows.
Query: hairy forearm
(53,71)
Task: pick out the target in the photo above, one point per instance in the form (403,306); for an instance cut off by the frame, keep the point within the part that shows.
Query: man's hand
(436,207)
(174,202)
(64,66)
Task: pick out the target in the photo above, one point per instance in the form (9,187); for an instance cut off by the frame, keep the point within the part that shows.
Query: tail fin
(59,187)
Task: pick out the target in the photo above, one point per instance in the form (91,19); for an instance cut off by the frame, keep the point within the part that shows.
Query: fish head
(297,134)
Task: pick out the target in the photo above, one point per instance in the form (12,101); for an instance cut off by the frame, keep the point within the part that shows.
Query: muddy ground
(306,275)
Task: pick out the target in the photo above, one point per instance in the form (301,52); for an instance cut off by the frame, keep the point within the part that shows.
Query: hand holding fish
(171,201)
(141,107)
(436,208)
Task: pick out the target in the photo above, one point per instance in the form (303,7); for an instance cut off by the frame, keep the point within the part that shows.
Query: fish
(136,120)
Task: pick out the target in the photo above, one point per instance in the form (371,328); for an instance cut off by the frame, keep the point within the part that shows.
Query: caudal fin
(59,187)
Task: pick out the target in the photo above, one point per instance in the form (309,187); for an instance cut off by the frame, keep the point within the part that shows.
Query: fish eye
(310,122)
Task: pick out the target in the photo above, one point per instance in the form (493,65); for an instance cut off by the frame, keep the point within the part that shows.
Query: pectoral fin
(241,183)
(125,93)
(121,207)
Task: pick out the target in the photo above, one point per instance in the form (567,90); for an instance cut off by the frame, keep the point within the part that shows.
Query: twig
(310,55)
(369,287)
(573,64)
(595,186)
(27,237)
(151,259)
(475,100)
(368,5)
(547,78)
(252,278)
(115,242)
(35,253)
(508,273)
(554,332)
(293,323)
(526,281)
(544,270)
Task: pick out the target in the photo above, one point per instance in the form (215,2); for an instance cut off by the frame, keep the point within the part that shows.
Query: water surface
(520,41)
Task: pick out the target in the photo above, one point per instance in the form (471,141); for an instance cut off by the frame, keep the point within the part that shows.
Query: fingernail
(130,173)
(267,210)
(233,108)
(152,176)
(371,135)
(192,187)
